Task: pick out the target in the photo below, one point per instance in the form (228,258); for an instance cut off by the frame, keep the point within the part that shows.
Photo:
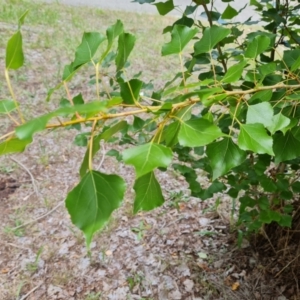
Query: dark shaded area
(7,187)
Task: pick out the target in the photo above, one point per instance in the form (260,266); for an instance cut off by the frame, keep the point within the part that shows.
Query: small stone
(189,285)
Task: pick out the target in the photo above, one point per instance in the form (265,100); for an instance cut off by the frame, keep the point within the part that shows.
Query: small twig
(30,292)
(286,266)
(16,246)
(41,217)
(103,157)
(30,174)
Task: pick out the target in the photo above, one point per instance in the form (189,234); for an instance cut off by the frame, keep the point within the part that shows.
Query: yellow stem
(13,97)
(91,146)
(6,135)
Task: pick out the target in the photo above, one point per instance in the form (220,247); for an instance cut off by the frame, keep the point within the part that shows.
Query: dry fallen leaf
(235,286)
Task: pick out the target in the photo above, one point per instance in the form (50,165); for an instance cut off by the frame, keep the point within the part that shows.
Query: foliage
(231,111)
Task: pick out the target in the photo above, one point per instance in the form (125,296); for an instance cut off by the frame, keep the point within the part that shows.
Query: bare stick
(30,174)
(30,292)
(41,217)
(103,157)
(286,266)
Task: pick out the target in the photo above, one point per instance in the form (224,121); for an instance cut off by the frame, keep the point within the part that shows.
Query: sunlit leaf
(14,52)
(254,137)
(260,113)
(147,157)
(279,122)
(211,37)
(7,106)
(180,36)
(234,72)
(13,145)
(88,47)
(198,132)
(224,155)
(27,130)
(148,194)
(257,46)
(91,203)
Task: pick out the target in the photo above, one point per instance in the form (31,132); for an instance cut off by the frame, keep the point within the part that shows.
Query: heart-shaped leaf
(148,193)
(198,132)
(7,106)
(164,7)
(180,36)
(13,145)
(257,46)
(147,157)
(224,155)
(254,137)
(234,72)
(260,113)
(211,37)
(91,203)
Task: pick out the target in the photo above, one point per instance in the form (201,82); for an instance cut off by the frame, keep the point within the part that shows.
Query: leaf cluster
(231,113)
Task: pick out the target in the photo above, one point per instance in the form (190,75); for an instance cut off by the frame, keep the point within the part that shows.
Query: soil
(187,249)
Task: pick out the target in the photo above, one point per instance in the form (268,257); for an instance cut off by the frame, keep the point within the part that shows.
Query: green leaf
(180,36)
(164,7)
(254,137)
(261,96)
(113,32)
(147,157)
(279,122)
(224,156)
(13,145)
(87,49)
(7,106)
(234,72)
(170,133)
(267,69)
(91,203)
(81,139)
(108,133)
(148,193)
(229,13)
(22,18)
(14,52)
(257,46)
(285,221)
(198,132)
(125,45)
(27,130)
(286,147)
(296,187)
(296,64)
(261,113)
(130,91)
(211,37)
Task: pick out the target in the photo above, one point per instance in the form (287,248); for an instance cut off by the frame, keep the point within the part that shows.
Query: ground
(187,249)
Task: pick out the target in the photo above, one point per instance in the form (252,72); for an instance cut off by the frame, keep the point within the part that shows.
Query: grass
(52,32)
